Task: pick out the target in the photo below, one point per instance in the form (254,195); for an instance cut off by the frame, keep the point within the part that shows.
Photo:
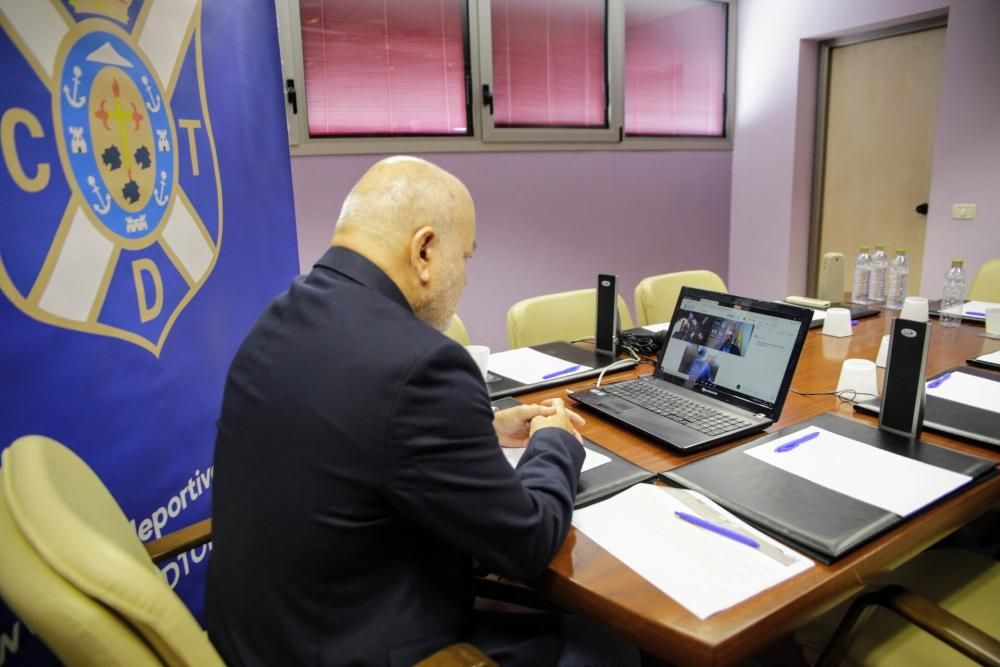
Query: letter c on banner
(11,119)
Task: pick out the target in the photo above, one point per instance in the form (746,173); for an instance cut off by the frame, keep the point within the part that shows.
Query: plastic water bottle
(862,272)
(899,276)
(876,284)
(953,295)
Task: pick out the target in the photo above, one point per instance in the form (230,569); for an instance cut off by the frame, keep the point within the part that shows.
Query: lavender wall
(775,122)
(550,222)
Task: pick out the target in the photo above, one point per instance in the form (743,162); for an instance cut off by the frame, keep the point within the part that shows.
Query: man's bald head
(398,196)
(416,222)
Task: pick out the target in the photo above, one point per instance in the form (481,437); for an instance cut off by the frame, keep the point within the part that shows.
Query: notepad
(702,570)
(977,309)
(591,459)
(529,366)
(978,392)
(875,476)
(991,358)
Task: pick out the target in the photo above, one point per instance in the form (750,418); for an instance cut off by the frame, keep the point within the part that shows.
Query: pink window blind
(384,66)
(675,68)
(548,63)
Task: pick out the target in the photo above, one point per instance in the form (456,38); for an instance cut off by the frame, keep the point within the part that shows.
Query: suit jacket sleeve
(445,471)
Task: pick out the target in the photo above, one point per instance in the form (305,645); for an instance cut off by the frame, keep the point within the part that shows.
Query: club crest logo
(113,201)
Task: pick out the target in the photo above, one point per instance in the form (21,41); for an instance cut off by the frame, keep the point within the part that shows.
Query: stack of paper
(529,366)
(972,390)
(707,562)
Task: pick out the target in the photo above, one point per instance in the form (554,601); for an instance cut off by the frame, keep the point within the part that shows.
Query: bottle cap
(879,245)
(864,248)
(900,251)
(957,262)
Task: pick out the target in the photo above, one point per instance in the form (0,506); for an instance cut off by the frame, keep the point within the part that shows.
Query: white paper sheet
(700,569)
(657,327)
(978,392)
(591,459)
(895,483)
(977,309)
(529,366)
(991,358)
(818,315)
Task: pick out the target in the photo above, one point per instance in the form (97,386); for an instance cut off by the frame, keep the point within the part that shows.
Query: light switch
(963,211)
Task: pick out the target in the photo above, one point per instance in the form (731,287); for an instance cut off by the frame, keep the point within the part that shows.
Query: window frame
(497,139)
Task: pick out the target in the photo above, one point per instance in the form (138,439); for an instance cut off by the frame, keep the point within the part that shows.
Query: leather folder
(605,480)
(823,523)
(957,419)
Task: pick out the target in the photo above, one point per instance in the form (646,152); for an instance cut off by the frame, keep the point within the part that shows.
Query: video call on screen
(729,348)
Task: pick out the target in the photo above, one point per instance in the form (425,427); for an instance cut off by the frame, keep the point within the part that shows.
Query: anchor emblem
(73,99)
(154,100)
(104,204)
(160,197)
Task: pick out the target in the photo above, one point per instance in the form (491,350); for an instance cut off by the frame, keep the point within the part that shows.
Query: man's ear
(423,245)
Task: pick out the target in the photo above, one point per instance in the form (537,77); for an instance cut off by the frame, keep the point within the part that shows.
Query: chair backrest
(656,296)
(456,331)
(986,284)
(559,316)
(78,533)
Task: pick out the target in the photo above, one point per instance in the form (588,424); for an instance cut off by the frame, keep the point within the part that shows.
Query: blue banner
(147,218)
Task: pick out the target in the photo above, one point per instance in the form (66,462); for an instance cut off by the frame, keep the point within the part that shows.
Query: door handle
(922,208)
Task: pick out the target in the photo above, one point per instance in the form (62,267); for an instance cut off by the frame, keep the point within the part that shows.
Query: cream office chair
(986,284)
(74,571)
(559,316)
(941,608)
(656,296)
(456,331)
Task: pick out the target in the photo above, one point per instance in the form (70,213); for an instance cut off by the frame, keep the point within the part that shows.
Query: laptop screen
(740,350)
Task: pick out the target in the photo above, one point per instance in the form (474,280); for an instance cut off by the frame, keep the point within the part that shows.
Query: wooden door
(881,115)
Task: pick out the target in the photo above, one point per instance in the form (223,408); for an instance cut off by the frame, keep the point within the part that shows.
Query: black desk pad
(956,419)
(858,311)
(811,518)
(499,386)
(603,481)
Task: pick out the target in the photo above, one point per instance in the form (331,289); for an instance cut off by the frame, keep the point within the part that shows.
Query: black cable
(844,395)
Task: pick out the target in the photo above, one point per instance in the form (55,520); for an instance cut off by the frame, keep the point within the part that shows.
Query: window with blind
(425,75)
(675,67)
(549,63)
(384,67)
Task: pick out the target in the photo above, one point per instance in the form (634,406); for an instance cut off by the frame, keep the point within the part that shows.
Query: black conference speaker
(902,409)
(605,338)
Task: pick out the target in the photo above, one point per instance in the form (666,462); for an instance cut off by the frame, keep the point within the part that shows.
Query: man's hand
(514,426)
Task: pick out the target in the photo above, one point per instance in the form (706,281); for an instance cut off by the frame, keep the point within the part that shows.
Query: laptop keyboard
(675,407)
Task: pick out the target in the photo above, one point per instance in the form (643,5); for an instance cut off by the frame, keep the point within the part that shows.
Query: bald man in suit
(358,469)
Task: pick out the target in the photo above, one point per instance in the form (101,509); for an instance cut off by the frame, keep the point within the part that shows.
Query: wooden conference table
(586,579)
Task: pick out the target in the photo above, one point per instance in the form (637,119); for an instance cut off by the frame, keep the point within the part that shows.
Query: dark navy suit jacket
(357,476)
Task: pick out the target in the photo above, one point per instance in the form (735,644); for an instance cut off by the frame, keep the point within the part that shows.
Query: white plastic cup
(481,355)
(837,322)
(915,309)
(859,375)
(883,352)
(993,322)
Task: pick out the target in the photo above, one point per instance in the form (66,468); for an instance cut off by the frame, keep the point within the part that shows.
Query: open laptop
(722,372)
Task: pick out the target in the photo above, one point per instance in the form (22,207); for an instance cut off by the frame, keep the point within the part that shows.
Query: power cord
(844,395)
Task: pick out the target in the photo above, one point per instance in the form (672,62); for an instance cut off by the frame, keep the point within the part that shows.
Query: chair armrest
(180,541)
(925,614)
(457,655)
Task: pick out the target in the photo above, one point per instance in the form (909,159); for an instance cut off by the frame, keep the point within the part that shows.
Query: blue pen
(789,446)
(564,371)
(975,313)
(854,323)
(936,382)
(715,528)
